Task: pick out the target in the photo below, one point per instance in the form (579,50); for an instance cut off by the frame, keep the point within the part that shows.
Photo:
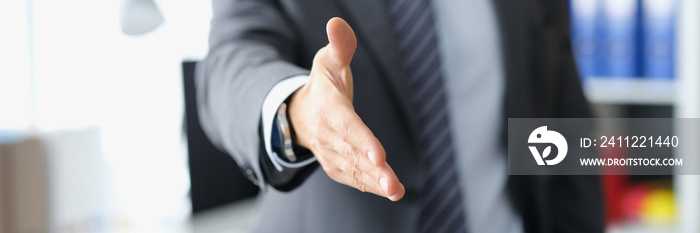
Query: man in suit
(407,100)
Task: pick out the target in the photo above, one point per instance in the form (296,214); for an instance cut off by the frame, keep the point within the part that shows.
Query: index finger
(353,130)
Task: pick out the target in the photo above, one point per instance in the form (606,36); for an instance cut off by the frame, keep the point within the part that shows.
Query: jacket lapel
(512,17)
(516,18)
(372,27)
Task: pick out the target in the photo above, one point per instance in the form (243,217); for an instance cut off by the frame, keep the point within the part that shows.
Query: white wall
(15,100)
(88,74)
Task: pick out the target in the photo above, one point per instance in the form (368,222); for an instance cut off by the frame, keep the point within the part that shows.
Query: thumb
(341,43)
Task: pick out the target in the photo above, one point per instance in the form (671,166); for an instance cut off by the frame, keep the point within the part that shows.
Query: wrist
(294,103)
(285,145)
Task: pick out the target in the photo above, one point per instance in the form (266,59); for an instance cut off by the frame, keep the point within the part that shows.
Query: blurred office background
(94,114)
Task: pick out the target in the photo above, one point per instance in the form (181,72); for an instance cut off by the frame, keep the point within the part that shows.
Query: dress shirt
(471,58)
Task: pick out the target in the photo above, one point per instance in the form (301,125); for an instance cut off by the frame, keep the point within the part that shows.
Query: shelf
(613,90)
(639,227)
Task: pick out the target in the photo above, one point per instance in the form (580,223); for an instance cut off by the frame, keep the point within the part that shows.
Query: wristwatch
(284,146)
(290,163)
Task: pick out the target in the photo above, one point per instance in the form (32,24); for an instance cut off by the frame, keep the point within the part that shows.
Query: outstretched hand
(325,121)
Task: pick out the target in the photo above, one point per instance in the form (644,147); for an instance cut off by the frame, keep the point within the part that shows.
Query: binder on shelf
(621,31)
(585,36)
(658,19)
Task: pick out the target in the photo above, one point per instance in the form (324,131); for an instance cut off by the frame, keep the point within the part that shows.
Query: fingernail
(382,183)
(393,197)
(372,157)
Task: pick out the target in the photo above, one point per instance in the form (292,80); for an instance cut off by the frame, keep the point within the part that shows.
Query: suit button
(249,173)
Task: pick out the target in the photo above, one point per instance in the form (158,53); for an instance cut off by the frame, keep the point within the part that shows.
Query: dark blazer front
(256,43)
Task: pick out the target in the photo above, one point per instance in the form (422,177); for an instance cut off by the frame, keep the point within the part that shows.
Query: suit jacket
(256,43)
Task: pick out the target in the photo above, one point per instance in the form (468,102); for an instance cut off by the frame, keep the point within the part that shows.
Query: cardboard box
(23,187)
(3,224)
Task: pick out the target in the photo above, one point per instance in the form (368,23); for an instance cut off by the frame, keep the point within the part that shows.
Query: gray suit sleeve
(251,49)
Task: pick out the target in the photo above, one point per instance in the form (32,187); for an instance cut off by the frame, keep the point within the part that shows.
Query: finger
(348,173)
(357,165)
(365,183)
(351,128)
(360,184)
(341,43)
(401,190)
(350,157)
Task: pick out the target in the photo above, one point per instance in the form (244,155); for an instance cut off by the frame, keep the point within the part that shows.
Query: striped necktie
(440,200)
